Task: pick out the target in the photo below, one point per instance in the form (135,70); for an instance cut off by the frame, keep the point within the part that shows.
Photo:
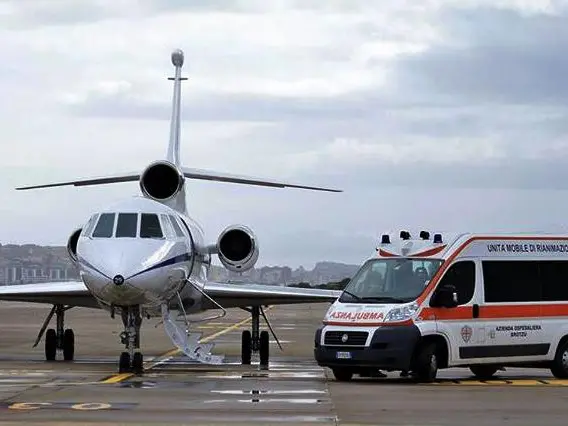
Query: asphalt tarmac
(294,390)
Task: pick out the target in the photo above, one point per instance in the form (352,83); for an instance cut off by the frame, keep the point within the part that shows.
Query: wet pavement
(294,390)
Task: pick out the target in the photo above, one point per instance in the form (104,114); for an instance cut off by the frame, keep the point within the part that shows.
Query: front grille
(354,338)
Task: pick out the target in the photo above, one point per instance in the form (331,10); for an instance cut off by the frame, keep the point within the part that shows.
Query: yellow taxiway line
(117,378)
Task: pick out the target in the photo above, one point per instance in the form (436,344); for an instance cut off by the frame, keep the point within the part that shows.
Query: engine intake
(161,181)
(72,244)
(237,248)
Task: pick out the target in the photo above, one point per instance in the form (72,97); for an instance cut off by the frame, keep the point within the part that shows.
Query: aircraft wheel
(264,348)
(68,345)
(138,363)
(124,363)
(50,345)
(246,347)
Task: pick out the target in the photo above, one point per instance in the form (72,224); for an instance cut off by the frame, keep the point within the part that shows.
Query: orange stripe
(496,312)
(386,253)
(430,252)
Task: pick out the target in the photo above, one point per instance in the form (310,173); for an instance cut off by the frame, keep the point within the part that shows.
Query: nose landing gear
(132,360)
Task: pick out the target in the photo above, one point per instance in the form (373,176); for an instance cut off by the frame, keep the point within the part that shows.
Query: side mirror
(445,297)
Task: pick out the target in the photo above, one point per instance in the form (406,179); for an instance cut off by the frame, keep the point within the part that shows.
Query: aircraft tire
(138,363)
(68,345)
(246,347)
(50,344)
(124,363)
(264,348)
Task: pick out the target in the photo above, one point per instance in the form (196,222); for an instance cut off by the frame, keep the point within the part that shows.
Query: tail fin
(173,154)
(174,143)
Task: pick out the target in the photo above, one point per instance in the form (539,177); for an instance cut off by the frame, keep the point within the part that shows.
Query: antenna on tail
(174,143)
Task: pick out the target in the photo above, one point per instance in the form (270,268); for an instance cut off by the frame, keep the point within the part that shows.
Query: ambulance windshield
(397,280)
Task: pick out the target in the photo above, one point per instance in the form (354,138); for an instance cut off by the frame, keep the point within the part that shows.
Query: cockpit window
(150,226)
(127,225)
(89,227)
(176,226)
(105,226)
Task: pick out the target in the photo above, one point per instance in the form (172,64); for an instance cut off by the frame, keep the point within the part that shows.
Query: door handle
(475,310)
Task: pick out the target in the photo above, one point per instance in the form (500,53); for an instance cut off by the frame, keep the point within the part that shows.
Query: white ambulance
(478,301)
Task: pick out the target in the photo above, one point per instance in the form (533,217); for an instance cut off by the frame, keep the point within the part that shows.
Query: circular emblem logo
(466,333)
(344,338)
(118,280)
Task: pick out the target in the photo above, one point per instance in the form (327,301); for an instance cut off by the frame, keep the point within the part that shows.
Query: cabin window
(511,281)
(105,226)
(461,275)
(127,225)
(554,280)
(150,226)
(176,226)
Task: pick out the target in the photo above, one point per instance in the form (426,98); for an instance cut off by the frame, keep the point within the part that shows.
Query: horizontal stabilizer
(189,173)
(201,174)
(129,177)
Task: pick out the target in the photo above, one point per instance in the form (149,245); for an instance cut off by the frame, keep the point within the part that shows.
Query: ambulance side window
(461,275)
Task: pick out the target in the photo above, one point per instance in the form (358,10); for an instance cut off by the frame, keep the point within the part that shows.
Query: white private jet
(145,256)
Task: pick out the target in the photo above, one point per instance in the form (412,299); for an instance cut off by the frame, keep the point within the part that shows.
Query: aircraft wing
(73,293)
(244,295)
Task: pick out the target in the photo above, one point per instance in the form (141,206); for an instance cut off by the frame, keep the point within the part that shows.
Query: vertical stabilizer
(174,143)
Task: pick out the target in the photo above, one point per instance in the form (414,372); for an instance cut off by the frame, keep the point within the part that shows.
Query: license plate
(343,355)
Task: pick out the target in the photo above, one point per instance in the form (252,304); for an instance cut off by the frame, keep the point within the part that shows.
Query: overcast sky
(440,115)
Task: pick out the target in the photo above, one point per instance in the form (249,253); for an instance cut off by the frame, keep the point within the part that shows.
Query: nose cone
(111,268)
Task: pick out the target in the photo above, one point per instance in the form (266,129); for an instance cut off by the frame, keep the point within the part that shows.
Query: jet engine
(72,244)
(237,248)
(161,181)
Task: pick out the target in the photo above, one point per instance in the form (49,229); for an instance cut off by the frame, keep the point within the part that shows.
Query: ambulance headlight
(402,313)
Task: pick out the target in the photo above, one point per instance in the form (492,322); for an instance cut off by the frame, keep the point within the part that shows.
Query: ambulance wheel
(483,371)
(426,363)
(246,347)
(342,374)
(50,345)
(264,348)
(560,364)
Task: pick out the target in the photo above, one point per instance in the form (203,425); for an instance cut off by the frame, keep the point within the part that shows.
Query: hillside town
(30,263)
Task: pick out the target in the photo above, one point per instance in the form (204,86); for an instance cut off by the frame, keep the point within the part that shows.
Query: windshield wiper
(353,295)
(386,299)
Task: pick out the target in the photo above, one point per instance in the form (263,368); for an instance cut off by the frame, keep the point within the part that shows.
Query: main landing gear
(255,340)
(132,360)
(59,338)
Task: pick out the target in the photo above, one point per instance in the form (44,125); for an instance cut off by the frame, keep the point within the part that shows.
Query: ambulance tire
(342,374)
(560,364)
(426,363)
(483,372)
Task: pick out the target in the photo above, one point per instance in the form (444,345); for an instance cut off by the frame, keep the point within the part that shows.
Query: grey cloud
(505,57)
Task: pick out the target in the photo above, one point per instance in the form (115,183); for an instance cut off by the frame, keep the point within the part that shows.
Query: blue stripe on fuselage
(168,262)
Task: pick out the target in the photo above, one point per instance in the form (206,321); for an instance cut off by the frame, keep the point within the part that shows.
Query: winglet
(174,143)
